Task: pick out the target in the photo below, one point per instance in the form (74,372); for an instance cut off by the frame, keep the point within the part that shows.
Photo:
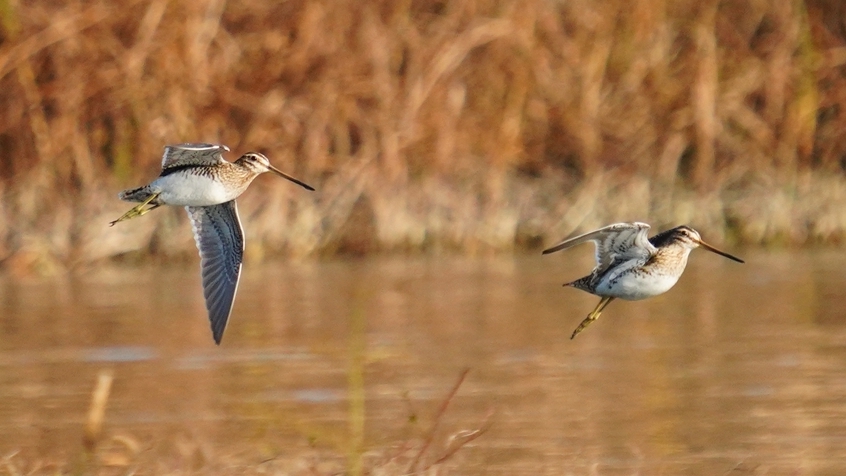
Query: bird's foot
(138,210)
(592,316)
(586,322)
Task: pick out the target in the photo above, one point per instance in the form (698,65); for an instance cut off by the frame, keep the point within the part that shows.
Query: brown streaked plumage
(631,266)
(197,177)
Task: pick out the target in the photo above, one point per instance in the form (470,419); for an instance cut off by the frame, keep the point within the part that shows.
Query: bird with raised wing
(631,266)
(197,177)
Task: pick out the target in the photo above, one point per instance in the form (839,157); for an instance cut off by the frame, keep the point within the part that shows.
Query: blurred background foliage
(474,126)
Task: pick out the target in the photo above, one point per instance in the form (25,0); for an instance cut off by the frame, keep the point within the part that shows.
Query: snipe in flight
(631,266)
(197,177)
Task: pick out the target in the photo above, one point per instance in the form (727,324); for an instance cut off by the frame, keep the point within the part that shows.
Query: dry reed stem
(506,110)
(430,436)
(462,439)
(97,410)
(10,466)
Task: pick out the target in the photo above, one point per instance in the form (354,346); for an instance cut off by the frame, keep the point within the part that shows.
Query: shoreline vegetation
(424,448)
(477,126)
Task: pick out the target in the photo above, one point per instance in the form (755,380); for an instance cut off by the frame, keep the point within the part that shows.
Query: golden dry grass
(431,453)
(475,125)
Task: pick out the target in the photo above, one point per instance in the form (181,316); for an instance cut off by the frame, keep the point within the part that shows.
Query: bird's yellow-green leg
(593,315)
(139,209)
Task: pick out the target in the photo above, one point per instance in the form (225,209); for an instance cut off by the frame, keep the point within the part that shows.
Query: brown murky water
(740,369)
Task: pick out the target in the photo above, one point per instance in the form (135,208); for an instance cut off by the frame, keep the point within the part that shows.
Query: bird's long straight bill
(292,179)
(722,253)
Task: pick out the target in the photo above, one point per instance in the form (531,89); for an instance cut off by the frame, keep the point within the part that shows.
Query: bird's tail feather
(582,283)
(135,194)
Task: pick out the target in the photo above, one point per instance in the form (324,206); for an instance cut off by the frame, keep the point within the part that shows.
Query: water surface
(740,369)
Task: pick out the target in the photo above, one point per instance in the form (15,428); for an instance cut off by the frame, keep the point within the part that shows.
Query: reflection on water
(739,366)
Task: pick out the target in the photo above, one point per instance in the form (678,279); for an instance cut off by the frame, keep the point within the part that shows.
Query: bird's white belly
(636,286)
(189,190)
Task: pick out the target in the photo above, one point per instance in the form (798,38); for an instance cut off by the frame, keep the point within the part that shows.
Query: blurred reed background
(473,125)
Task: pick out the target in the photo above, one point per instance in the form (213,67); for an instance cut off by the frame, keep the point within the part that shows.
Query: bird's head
(690,239)
(258,164)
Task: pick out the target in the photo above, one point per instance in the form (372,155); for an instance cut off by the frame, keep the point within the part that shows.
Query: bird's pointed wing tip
(217,231)
(218,324)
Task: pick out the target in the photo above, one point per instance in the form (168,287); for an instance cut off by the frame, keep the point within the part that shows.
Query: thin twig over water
(427,440)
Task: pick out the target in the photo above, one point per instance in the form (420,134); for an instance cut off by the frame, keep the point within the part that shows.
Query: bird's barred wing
(217,231)
(620,241)
(186,155)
